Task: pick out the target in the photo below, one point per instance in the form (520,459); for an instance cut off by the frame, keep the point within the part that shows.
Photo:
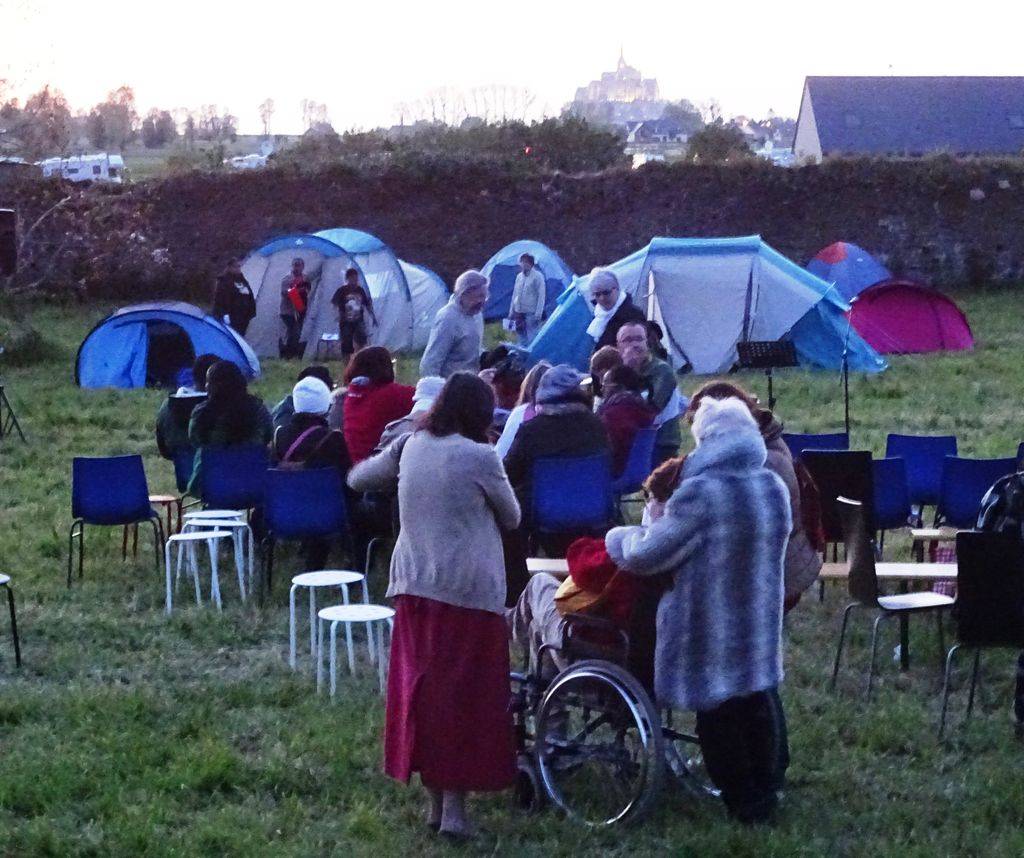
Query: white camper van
(86,168)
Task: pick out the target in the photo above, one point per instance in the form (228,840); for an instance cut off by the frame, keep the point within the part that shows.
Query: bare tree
(266,113)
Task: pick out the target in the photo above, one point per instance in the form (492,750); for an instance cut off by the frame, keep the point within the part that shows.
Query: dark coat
(574,433)
(627,313)
(232,297)
(322,448)
(623,415)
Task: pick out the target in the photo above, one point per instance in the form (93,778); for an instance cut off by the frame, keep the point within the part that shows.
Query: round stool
(374,616)
(236,528)
(313,580)
(226,514)
(188,541)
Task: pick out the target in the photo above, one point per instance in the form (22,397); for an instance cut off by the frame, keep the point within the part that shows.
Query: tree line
(44,125)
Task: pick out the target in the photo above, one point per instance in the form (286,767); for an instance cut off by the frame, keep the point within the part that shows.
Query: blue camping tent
(708,294)
(503,267)
(152,343)
(850,268)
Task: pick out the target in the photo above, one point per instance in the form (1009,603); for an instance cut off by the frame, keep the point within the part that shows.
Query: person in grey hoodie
(457,335)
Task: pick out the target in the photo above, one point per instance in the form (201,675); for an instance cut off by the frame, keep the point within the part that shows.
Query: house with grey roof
(910,116)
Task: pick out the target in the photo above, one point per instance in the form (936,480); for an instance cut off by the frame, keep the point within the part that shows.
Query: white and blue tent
(503,267)
(405,297)
(708,294)
(156,343)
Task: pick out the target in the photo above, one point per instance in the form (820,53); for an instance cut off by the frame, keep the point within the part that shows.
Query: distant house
(656,131)
(910,116)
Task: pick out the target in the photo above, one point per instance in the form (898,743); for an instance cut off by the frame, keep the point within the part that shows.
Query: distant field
(143,163)
(127,733)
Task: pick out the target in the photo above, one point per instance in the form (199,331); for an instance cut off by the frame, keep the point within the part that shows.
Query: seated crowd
(724,548)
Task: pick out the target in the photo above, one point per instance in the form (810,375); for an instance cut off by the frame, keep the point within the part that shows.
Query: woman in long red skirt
(448,714)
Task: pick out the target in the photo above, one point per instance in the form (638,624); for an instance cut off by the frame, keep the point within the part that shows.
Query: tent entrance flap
(702,300)
(169,354)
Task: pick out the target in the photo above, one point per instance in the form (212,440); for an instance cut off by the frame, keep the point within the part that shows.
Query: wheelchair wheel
(599,745)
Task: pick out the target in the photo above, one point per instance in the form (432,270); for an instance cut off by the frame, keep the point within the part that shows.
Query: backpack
(1002,508)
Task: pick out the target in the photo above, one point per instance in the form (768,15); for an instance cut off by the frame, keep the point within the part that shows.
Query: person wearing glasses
(613,308)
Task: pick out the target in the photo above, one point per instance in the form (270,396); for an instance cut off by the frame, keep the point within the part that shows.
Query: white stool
(188,542)
(313,580)
(236,528)
(223,514)
(375,617)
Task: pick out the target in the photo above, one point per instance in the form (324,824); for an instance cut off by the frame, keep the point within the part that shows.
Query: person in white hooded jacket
(457,335)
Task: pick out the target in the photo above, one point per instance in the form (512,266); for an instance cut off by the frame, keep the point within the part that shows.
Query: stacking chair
(233,477)
(924,456)
(891,497)
(841,473)
(109,492)
(863,586)
(963,485)
(797,443)
(572,494)
(302,504)
(990,602)
(638,465)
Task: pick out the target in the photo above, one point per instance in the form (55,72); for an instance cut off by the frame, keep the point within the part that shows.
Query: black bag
(1002,508)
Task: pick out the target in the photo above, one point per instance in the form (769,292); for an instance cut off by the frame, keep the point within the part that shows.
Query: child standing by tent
(354,304)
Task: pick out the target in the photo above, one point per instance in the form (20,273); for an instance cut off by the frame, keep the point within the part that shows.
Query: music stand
(8,419)
(767,355)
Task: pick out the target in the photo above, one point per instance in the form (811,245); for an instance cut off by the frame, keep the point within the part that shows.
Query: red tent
(902,317)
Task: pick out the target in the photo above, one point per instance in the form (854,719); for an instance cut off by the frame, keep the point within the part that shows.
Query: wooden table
(896,571)
(557,566)
(921,535)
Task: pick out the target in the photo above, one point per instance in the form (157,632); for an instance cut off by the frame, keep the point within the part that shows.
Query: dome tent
(849,267)
(503,267)
(429,295)
(903,317)
(152,343)
(399,302)
(708,294)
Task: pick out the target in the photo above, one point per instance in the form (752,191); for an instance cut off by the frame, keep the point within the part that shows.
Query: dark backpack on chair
(1002,508)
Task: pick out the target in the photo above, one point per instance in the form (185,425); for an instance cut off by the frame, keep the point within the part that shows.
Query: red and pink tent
(902,317)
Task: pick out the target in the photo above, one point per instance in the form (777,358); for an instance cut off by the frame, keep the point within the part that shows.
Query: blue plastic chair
(924,456)
(302,504)
(638,464)
(964,483)
(891,496)
(572,493)
(233,477)
(828,441)
(109,492)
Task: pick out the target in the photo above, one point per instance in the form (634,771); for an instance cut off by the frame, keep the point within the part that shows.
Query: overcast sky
(363,59)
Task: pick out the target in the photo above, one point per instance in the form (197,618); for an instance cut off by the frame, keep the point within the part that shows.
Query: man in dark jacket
(233,298)
(613,308)
(173,417)
(564,426)
(665,397)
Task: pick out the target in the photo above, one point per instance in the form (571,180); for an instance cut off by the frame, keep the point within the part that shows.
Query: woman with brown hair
(373,400)
(448,691)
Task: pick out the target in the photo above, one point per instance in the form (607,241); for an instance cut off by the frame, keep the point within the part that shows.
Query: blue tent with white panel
(155,344)
(503,267)
(708,294)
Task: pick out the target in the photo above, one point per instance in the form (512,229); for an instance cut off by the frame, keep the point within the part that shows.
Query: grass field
(128,733)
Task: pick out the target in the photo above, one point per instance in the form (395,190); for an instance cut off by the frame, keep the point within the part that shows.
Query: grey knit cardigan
(723,538)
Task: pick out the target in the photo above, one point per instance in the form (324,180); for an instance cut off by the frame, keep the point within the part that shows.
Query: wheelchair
(590,740)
